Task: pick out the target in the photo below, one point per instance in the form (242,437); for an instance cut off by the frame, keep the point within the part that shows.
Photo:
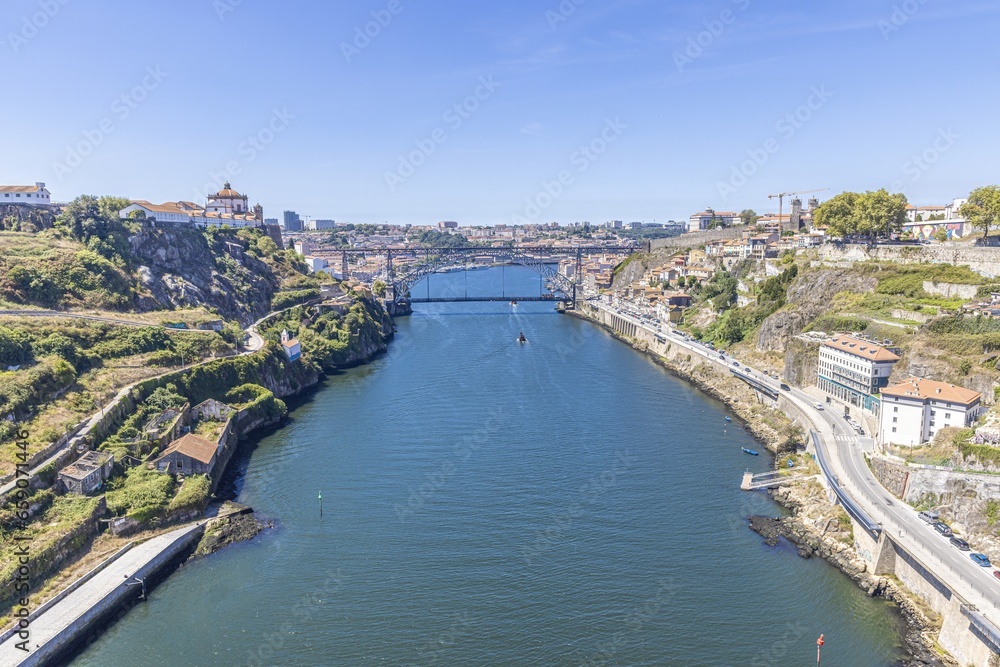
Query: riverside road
(973,582)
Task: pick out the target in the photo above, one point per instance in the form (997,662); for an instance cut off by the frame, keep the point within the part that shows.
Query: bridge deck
(460,299)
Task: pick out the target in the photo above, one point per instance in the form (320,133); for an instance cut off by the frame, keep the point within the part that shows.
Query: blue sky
(668,100)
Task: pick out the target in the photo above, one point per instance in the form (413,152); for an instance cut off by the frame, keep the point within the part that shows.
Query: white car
(818,405)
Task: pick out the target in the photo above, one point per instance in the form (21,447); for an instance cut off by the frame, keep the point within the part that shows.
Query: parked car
(981,559)
(785,387)
(736,363)
(960,544)
(929,516)
(943,529)
(818,405)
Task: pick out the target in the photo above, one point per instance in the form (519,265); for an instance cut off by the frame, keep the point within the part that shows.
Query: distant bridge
(459,299)
(402,268)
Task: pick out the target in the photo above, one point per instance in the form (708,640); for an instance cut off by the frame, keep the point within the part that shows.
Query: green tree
(983,208)
(378,288)
(837,214)
(749,217)
(941,235)
(872,214)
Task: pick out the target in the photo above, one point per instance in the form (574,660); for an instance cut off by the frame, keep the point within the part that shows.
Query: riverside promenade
(68,618)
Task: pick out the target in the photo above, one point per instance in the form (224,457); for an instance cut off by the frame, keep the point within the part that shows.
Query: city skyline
(562,112)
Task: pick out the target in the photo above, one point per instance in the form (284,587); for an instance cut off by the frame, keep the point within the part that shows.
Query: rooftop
(861,348)
(942,391)
(193,446)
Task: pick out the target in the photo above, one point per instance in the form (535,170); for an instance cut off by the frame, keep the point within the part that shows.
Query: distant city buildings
(703,220)
(447,224)
(926,222)
(270,221)
(292,222)
(33,195)
(319,225)
(914,410)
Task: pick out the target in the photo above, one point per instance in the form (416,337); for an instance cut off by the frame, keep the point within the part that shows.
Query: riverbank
(816,527)
(280,379)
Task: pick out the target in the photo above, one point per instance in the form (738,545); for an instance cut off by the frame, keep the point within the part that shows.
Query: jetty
(65,621)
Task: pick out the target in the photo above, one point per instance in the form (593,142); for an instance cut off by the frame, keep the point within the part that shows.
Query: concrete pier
(60,625)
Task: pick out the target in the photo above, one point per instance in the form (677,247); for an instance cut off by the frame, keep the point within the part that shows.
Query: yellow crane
(781,199)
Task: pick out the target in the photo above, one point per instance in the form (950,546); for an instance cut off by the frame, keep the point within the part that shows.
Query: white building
(320,225)
(701,221)
(34,195)
(915,409)
(226,207)
(853,370)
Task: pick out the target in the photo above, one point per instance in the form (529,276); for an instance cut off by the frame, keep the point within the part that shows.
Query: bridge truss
(401,269)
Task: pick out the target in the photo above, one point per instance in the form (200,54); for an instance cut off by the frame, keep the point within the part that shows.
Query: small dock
(768,480)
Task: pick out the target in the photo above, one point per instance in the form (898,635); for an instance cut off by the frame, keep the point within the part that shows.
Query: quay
(65,621)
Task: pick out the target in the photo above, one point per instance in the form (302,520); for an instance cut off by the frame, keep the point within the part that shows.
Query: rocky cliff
(809,297)
(181,266)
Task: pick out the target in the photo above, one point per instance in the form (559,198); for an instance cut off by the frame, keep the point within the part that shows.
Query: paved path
(953,567)
(95,318)
(52,626)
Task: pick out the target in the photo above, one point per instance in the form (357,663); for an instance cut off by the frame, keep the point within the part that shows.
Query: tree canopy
(95,222)
(870,214)
(983,208)
(749,217)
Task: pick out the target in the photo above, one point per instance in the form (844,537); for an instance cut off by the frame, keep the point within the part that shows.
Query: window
(893,429)
(947,415)
(180,464)
(894,420)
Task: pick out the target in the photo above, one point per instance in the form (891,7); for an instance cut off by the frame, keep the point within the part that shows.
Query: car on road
(929,516)
(960,544)
(996,573)
(981,559)
(785,387)
(736,363)
(722,356)
(943,528)
(818,405)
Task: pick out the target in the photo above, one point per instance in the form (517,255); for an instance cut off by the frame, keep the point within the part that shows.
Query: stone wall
(950,290)
(695,239)
(985,261)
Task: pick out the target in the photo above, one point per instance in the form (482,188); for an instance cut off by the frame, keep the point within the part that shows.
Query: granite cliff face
(180,266)
(21,218)
(809,297)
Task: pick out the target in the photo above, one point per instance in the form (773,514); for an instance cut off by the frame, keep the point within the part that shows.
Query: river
(562,502)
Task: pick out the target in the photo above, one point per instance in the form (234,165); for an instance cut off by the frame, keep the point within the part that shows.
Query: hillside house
(190,455)
(88,473)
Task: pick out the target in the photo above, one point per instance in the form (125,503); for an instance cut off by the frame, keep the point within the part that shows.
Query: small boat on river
(751,452)
(522,339)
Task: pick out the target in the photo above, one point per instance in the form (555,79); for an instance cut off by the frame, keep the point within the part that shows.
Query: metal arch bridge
(422,262)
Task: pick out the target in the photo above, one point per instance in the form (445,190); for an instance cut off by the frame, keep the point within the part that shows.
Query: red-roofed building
(914,410)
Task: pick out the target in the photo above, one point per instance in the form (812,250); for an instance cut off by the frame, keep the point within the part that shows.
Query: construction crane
(781,199)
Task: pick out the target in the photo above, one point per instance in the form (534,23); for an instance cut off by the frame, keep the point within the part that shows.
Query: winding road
(976,584)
